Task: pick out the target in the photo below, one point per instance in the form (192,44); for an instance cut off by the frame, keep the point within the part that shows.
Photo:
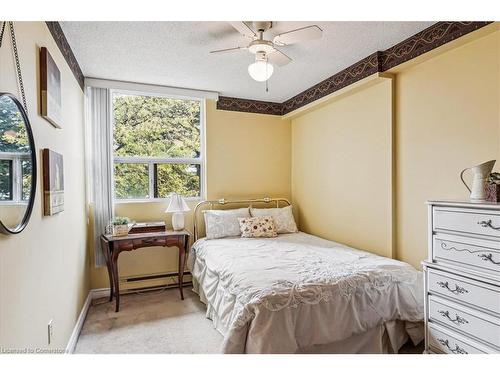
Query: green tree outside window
(156,127)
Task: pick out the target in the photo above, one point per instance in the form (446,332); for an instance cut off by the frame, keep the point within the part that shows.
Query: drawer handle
(148,242)
(458,319)
(457,350)
(487,224)
(457,290)
(488,257)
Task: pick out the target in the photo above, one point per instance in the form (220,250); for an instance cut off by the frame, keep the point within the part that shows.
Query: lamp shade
(260,70)
(177,204)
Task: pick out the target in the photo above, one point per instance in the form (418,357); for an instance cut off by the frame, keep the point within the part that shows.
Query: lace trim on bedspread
(319,280)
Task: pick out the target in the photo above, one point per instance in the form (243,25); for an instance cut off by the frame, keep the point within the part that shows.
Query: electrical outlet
(50,331)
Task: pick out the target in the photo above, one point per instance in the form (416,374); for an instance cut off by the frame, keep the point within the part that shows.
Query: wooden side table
(113,245)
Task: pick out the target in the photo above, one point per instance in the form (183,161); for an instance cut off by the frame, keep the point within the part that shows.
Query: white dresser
(462,278)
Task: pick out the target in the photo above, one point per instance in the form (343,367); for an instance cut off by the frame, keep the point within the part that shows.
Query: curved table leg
(111,283)
(182,265)
(116,280)
(105,246)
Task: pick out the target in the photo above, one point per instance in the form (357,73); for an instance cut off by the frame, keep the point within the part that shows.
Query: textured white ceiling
(177,53)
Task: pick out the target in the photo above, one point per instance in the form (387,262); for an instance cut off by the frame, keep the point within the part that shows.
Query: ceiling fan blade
(298,35)
(243,29)
(227,50)
(278,58)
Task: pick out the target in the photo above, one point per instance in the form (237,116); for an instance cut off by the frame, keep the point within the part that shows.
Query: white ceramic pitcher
(480,174)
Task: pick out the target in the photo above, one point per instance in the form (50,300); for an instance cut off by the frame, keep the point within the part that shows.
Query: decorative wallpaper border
(61,41)
(247,105)
(432,37)
(362,69)
(426,40)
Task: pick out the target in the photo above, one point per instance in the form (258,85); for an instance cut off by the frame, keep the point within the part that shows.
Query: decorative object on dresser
(481,173)
(53,182)
(462,278)
(177,207)
(112,247)
(148,227)
(493,187)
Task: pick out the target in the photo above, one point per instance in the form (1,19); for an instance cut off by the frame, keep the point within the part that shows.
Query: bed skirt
(387,338)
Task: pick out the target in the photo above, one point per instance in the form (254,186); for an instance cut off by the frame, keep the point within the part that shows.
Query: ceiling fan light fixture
(260,46)
(260,70)
(266,54)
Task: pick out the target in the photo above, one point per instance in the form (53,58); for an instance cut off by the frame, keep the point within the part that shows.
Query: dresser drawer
(466,221)
(149,242)
(442,340)
(465,320)
(477,254)
(482,295)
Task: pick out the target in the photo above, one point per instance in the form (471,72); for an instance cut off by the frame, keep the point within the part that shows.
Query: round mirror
(17,166)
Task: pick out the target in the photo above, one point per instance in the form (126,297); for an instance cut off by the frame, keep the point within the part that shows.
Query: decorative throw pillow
(223,223)
(283,218)
(257,227)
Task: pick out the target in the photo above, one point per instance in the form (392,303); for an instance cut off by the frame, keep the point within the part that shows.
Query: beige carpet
(155,323)
(149,323)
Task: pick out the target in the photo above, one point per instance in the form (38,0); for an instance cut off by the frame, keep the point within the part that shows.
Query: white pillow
(223,223)
(283,218)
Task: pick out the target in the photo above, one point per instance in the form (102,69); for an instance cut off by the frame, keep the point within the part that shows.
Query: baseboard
(100,293)
(93,294)
(70,348)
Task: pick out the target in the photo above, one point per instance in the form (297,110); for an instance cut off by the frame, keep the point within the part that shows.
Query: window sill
(154,200)
(11,203)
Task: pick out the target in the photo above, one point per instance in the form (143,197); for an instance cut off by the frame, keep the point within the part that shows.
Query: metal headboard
(223,202)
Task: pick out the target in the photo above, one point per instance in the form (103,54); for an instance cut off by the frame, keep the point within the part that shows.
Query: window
(6,180)
(15,176)
(15,159)
(157,146)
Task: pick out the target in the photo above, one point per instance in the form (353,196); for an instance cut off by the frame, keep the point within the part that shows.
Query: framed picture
(50,88)
(53,182)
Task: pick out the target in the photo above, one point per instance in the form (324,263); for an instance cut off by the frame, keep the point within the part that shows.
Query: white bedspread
(285,294)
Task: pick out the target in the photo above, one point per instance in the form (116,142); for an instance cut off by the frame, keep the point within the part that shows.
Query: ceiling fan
(265,51)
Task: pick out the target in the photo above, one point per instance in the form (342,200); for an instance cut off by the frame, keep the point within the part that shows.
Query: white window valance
(153,89)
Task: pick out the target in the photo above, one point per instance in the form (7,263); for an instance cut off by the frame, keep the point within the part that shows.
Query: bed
(298,293)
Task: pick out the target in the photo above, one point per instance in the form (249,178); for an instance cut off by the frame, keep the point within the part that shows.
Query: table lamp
(177,207)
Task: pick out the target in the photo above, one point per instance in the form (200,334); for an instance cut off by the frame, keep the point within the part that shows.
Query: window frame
(151,160)
(16,160)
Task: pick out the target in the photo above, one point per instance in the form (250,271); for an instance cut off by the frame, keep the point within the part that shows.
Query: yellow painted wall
(248,155)
(447,117)
(341,169)
(44,270)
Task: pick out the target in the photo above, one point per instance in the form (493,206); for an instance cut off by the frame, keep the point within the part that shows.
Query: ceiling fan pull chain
(267,80)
